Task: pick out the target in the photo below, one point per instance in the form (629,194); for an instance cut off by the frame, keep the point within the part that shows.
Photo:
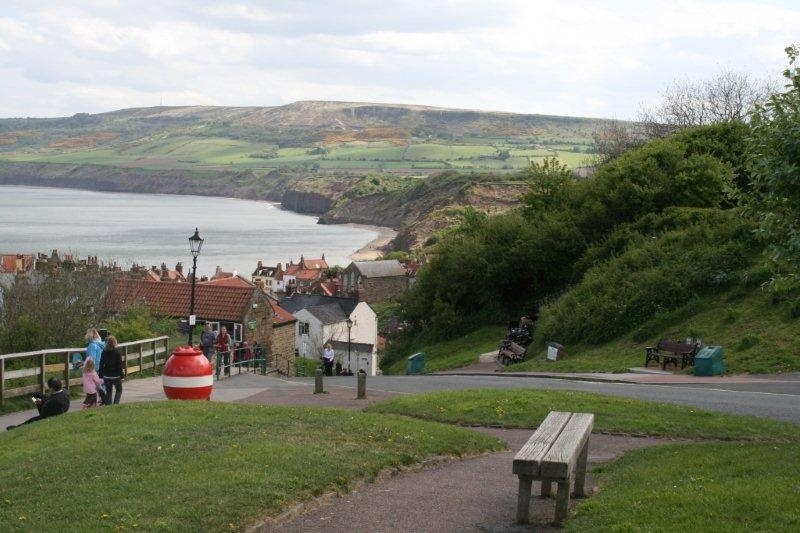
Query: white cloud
(560,57)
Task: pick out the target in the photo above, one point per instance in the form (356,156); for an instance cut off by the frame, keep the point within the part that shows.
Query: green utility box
(416,363)
(709,361)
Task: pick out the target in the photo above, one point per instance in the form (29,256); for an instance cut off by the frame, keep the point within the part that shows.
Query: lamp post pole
(349,325)
(195,243)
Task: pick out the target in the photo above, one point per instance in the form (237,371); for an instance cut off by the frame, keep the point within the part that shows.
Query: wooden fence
(28,372)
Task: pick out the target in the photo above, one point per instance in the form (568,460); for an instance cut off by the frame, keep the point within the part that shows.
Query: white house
(324,319)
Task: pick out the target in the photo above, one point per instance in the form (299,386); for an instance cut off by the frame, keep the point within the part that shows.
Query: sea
(151,229)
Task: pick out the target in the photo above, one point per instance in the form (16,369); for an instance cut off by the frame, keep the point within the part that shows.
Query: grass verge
(758,336)
(699,487)
(527,408)
(453,353)
(199,465)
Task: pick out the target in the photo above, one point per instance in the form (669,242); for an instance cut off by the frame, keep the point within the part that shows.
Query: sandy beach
(373,249)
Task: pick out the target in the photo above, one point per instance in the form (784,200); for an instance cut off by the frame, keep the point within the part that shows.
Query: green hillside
(315,136)
(662,242)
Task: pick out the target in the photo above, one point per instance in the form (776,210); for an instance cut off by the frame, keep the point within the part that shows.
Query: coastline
(374,248)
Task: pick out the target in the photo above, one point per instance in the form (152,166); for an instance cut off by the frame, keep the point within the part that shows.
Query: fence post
(318,389)
(141,358)
(42,371)
(66,370)
(2,381)
(362,386)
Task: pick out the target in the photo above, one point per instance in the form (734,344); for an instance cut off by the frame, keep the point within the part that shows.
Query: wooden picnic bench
(556,452)
(667,351)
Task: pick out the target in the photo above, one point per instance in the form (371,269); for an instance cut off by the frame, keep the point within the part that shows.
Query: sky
(606,59)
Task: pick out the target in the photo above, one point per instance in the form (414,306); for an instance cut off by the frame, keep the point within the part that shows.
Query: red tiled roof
(280,316)
(215,302)
(308,274)
(316,264)
(235,281)
(8,263)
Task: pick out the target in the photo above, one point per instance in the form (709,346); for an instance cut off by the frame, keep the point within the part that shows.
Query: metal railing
(254,360)
(28,372)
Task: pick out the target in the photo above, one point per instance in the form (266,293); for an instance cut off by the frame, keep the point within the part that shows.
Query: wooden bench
(667,351)
(556,452)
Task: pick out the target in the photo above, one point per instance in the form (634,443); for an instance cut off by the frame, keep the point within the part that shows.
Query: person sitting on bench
(56,403)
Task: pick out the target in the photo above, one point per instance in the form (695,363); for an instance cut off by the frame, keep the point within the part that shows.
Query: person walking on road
(112,370)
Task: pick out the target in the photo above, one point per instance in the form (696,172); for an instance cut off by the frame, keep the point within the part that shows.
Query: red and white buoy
(187,375)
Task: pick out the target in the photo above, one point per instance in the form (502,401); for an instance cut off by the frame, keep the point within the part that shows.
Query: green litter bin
(709,361)
(416,363)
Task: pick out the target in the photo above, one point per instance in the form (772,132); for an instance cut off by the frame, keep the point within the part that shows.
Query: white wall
(309,345)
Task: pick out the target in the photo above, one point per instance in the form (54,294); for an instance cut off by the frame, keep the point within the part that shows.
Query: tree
(548,181)
(613,140)
(773,159)
(47,311)
(731,96)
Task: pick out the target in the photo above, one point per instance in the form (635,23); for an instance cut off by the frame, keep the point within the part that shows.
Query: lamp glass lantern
(195,244)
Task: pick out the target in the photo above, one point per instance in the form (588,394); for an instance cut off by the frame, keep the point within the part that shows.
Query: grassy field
(200,466)
(700,487)
(187,152)
(757,334)
(624,416)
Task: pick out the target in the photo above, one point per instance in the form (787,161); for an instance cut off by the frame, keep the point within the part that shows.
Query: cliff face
(312,203)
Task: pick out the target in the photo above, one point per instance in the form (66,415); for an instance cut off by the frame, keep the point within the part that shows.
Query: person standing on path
(207,339)
(92,385)
(112,370)
(224,347)
(94,346)
(327,359)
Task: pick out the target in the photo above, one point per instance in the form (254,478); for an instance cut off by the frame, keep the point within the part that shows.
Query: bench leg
(545,488)
(580,472)
(562,501)
(524,499)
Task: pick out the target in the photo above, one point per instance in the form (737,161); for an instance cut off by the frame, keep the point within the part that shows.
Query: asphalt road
(778,400)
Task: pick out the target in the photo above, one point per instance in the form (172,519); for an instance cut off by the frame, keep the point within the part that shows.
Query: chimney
(179,268)
(260,265)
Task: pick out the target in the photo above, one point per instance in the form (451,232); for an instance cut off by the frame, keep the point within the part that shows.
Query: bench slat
(527,460)
(560,459)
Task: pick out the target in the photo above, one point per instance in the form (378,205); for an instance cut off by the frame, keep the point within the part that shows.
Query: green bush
(137,323)
(651,277)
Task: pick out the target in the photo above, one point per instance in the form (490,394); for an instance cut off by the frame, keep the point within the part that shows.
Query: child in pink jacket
(91,384)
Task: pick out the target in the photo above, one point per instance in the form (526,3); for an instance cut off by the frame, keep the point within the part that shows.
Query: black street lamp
(195,243)
(349,325)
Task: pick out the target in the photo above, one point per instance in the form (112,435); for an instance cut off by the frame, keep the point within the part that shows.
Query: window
(237,333)
(303,328)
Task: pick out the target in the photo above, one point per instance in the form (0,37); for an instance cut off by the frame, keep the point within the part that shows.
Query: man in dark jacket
(56,403)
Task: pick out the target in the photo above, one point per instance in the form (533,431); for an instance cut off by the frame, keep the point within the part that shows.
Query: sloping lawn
(527,408)
(200,466)
(700,487)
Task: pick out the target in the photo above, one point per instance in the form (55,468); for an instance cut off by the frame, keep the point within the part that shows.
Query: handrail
(223,362)
(146,354)
(50,351)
